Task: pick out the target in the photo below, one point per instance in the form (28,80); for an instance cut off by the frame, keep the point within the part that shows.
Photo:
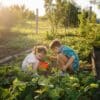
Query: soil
(5,52)
(97,61)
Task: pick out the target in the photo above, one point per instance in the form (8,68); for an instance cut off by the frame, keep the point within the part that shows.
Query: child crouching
(33,59)
(66,56)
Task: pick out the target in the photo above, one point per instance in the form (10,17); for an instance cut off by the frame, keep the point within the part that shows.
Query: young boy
(66,57)
(32,60)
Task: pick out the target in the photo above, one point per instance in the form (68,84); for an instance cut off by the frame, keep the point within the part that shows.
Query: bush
(78,86)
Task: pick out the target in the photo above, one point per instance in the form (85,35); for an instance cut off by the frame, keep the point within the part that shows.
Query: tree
(20,12)
(87,24)
(7,19)
(83,22)
(62,12)
(95,2)
(52,14)
(9,16)
(70,14)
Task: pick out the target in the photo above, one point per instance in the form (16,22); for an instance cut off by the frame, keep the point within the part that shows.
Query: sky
(86,4)
(33,4)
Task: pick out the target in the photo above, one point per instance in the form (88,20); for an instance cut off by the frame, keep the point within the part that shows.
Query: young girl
(66,57)
(32,60)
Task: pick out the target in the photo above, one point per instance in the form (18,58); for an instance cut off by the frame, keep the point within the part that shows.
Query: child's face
(40,55)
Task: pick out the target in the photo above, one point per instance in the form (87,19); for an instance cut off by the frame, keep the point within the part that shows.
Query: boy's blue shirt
(69,52)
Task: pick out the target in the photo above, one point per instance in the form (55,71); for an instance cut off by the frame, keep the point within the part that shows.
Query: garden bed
(97,60)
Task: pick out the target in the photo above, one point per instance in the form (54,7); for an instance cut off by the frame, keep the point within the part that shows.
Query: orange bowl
(43,65)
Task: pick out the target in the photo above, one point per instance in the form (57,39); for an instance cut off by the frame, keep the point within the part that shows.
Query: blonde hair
(40,49)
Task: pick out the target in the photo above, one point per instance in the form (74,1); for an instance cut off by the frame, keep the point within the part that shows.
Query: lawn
(20,37)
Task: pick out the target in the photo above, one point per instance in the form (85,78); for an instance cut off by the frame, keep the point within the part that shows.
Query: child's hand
(53,58)
(64,68)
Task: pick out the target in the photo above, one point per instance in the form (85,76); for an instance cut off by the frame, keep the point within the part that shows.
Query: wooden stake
(36,21)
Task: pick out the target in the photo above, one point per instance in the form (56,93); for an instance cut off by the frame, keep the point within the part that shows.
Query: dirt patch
(4,51)
(97,61)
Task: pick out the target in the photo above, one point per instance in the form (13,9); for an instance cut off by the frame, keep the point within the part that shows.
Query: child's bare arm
(52,58)
(69,63)
(35,66)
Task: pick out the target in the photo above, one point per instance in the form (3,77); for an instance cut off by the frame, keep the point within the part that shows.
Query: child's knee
(62,58)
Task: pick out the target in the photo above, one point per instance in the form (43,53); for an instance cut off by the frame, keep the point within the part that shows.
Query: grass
(21,36)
